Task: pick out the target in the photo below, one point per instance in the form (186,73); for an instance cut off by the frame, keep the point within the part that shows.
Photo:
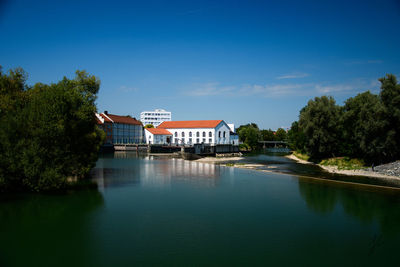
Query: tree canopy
(49,133)
(367,126)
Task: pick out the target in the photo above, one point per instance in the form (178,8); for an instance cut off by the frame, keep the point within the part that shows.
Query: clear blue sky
(241,61)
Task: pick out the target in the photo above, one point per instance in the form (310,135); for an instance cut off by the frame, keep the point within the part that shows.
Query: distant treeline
(366,127)
(48,133)
(250,134)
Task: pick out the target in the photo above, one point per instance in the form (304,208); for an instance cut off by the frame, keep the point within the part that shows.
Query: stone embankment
(392,169)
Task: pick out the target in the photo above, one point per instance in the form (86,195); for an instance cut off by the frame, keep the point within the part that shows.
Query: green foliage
(296,138)
(244,147)
(249,134)
(366,127)
(48,133)
(320,122)
(344,163)
(267,135)
(390,97)
(363,125)
(280,135)
(148,126)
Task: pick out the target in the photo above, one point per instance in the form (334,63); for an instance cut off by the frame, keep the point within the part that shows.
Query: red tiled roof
(98,121)
(106,119)
(121,119)
(158,131)
(189,124)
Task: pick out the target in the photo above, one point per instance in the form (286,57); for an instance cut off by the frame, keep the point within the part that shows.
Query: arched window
(198,134)
(176,134)
(190,134)
(210,134)
(204,134)
(224,134)
(219,134)
(183,134)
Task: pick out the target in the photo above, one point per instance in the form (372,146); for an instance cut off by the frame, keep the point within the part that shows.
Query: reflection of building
(161,172)
(197,132)
(120,129)
(155,117)
(157,136)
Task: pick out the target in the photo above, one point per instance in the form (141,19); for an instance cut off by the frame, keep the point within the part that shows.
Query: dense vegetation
(250,134)
(366,127)
(48,133)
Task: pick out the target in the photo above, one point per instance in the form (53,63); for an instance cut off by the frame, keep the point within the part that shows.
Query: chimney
(106,112)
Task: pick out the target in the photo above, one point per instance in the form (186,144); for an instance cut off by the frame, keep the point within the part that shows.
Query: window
(224,134)
(210,134)
(219,134)
(204,134)
(176,134)
(176,140)
(204,140)
(190,134)
(210,140)
(197,135)
(197,140)
(190,140)
(183,134)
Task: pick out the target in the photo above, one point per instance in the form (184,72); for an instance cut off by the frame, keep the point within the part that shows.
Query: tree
(148,126)
(390,97)
(363,127)
(249,134)
(296,138)
(267,135)
(51,134)
(320,122)
(280,134)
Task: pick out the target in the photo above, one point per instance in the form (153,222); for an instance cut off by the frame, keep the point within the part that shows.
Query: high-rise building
(155,117)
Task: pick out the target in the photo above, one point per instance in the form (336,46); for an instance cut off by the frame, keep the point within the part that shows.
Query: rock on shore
(392,169)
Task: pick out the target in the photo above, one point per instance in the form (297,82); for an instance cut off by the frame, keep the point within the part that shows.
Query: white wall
(155,138)
(215,139)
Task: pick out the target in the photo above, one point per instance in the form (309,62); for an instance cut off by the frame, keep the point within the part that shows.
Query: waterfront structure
(120,129)
(211,132)
(157,136)
(155,117)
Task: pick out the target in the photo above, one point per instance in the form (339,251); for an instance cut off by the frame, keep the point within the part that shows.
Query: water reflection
(47,229)
(367,204)
(131,168)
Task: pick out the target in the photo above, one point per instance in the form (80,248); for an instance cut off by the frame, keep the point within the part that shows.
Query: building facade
(120,129)
(157,136)
(211,132)
(155,117)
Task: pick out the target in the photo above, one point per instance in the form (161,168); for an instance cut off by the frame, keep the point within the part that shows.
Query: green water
(160,211)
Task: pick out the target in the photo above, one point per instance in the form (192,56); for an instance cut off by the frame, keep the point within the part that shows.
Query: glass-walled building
(120,129)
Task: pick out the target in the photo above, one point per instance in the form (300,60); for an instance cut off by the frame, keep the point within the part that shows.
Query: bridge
(275,146)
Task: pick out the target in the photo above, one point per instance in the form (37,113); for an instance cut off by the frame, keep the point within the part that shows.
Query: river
(162,211)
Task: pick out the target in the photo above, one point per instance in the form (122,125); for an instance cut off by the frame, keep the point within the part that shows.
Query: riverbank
(361,172)
(219,160)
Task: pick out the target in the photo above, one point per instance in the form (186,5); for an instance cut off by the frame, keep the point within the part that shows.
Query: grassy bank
(341,163)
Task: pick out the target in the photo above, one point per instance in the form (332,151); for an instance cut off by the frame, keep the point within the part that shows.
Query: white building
(157,136)
(155,117)
(197,132)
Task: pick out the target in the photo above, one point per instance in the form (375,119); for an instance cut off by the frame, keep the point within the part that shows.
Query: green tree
(52,136)
(363,127)
(267,135)
(320,122)
(149,126)
(249,134)
(280,135)
(296,138)
(390,97)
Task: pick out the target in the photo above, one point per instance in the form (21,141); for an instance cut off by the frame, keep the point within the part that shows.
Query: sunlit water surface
(163,211)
